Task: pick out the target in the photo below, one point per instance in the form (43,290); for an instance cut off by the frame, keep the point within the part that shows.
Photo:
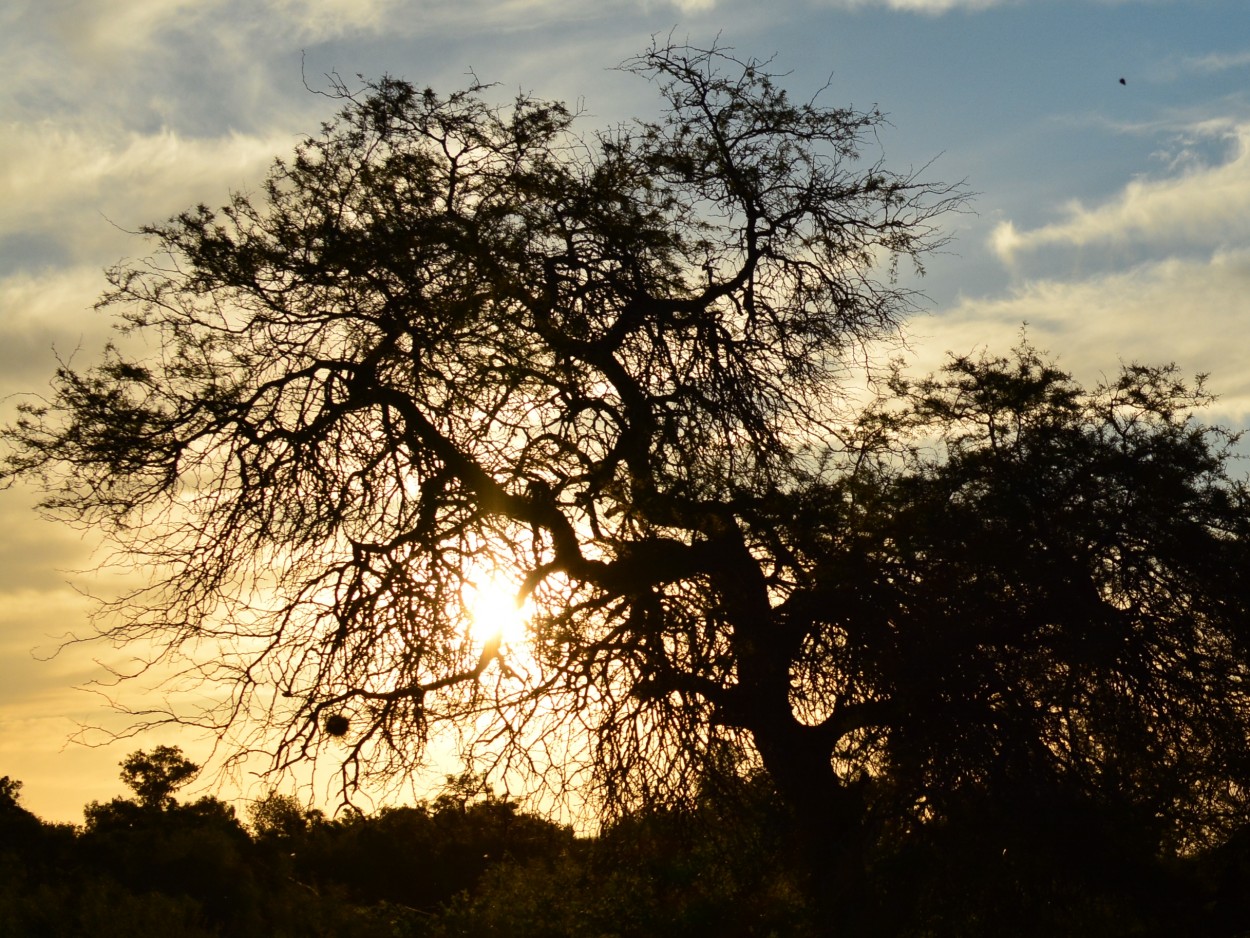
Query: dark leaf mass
(337,724)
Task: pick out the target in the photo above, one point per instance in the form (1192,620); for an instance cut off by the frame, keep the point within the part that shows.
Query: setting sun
(495,613)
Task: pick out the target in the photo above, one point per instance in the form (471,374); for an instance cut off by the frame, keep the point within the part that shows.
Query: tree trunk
(828,830)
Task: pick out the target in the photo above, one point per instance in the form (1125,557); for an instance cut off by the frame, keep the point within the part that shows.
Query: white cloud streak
(937,7)
(104,28)
(1218,61)
(1208,205)
(77,183)
(927,6)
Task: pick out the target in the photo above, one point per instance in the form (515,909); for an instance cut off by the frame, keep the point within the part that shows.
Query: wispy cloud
(1203,205)
(76,183)
(102,27)
(917,6)
(317,20)
(945,6)
(83,27)
(1217,61)
(1191,311)
(937,6)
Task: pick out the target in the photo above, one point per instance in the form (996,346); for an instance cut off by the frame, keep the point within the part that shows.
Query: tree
(155,776)
(194,851)
(9,794)
(282,817)
(19,829)
(152,778)
(1049,593)
(451,340)
(1041,598)
(725,866)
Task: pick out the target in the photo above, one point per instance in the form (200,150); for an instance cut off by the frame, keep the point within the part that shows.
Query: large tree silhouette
(450,339)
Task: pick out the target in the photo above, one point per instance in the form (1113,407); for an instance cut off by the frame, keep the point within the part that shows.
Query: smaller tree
(9,788)
(279,816)
(193,851)
(19,829)
(461,791)
(155,776)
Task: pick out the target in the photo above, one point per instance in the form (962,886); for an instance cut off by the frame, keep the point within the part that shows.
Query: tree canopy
(450,340)
(1043,592)
(155,776)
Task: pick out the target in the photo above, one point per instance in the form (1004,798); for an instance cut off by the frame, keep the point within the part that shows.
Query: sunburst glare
(495,613)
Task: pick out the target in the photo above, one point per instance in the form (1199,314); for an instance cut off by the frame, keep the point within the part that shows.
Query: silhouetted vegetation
(149,864)
(972,658)
(474,866)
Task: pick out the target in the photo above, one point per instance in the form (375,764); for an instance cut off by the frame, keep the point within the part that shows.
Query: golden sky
(1113,218)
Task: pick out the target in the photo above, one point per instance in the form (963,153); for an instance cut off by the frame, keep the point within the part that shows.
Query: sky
(1111,217)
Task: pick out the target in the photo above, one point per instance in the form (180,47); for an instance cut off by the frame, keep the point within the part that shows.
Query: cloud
(57,780)
(932,7)
(37,555)
(1189,311)
(202,67)
(76,183)
(109,29)
(106,29)
(1204,205)
(319,20)
(90,28)
(938,7)
(1217,61)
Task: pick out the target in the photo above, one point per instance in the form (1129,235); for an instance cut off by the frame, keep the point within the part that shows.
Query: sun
(495,614)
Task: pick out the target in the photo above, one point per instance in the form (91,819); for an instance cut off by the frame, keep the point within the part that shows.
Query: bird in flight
(1123,82)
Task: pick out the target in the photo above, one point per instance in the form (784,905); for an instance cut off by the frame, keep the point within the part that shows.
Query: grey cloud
(32,250)
(1218,61)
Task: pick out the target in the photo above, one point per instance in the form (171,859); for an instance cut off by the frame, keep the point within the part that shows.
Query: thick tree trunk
(827,814)
(829,828)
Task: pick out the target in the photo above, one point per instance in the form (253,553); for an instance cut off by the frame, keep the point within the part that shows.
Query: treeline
(469,863)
